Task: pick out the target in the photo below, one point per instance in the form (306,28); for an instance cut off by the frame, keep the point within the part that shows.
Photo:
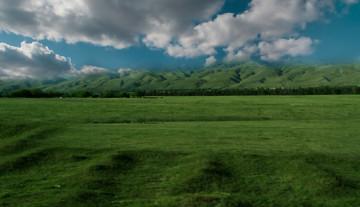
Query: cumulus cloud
(124,70)
(264,21)
(88,70)
(36,61)
(185,28)
(31,60)
(274,51)
(242,55)
(210,61)
(118,24)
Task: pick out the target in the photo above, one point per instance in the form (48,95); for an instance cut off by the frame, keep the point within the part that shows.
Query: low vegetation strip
(181,151)
(38,93)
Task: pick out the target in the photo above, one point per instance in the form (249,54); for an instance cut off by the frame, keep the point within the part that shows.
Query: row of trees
(38,93)
(257,91)
(33,93)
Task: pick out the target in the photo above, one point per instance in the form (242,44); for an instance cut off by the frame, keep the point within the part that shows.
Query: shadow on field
(156,178)
(107,177)
(120,163)
(334,169)
(21,137)
(33,159)
(125,179)
(177,119)
(254,180)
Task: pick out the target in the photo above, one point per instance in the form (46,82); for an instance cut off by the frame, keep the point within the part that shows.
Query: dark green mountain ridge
(233,77)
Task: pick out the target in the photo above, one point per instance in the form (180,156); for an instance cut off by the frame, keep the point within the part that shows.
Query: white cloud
(124,70)
(88,70)
(274,51)
(31,60)
(242,55)
(164,24)
(264,21)
(36,61)
(118,24)
(210,61)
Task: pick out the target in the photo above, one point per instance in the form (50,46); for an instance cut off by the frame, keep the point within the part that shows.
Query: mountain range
(220,77)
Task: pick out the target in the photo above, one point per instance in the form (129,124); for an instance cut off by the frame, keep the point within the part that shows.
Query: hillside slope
(240,76)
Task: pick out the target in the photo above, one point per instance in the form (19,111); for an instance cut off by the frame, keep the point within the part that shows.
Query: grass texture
(181,151)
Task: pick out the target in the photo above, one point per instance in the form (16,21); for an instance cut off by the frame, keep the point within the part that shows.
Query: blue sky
(44,38)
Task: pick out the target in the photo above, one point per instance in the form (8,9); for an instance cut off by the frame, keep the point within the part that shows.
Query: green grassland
(181,151)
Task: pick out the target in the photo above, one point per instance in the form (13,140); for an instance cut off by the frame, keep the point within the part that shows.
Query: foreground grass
(181,151)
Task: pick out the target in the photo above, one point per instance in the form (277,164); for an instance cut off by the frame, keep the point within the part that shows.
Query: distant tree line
(33,93)
(327,90)
(38,93)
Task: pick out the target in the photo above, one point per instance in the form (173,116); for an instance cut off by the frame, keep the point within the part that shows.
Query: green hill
(240,76)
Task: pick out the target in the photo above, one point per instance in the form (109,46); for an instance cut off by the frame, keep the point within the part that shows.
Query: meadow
(181,151)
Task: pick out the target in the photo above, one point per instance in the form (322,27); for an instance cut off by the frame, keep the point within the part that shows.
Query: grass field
(181,151)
